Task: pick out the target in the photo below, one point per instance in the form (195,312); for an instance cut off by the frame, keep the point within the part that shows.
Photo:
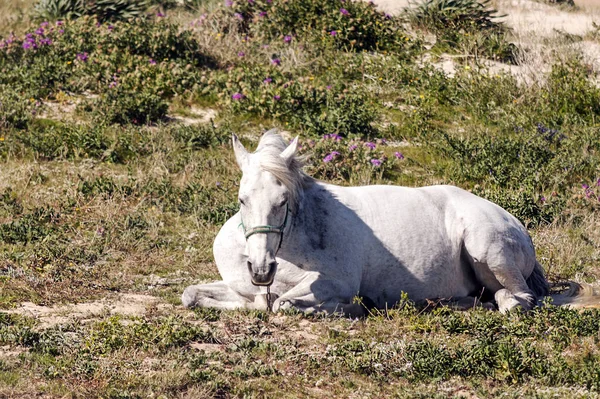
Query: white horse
(318,246)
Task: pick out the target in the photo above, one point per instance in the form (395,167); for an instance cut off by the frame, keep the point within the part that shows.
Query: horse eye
(282,203)
(241,201)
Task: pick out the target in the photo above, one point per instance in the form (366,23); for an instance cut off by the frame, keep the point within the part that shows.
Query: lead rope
(269,298)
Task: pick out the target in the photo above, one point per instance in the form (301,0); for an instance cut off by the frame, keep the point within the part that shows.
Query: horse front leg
(317,294)
(221,296)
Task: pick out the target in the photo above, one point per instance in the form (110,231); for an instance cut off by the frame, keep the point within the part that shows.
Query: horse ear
(241,155)
(290,151)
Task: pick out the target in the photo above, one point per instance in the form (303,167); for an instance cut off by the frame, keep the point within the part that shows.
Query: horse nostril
(272,265)
(249,264)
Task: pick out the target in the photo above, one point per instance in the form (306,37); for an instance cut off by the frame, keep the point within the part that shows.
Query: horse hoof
(282,305)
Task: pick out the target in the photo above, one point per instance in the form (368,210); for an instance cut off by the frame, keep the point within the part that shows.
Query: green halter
(267,228)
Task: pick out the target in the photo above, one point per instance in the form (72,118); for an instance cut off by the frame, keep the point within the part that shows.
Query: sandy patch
(124,304)
(197,115)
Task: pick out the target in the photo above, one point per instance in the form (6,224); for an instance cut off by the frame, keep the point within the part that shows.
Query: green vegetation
(117,173)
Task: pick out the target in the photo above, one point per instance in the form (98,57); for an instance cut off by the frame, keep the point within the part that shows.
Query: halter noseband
(267,228)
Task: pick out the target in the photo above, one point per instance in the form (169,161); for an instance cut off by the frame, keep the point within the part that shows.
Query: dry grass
(15,16)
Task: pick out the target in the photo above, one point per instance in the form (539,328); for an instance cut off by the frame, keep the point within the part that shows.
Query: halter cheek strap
(268,228)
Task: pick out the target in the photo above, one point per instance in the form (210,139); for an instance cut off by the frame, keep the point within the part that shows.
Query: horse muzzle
(262,277)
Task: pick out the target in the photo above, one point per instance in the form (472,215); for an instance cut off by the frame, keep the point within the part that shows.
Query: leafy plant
(104,10)
(349,25)
(350,160)
(15,110)
(460,16)
(122,107)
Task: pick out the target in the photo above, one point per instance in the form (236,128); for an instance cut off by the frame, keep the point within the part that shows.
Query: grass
(108,196)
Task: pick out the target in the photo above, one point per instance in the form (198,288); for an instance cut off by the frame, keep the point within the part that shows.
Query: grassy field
(117,172)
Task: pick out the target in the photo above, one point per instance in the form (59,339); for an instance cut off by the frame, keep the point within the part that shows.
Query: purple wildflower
(82,57)
(241,54)
(237,96)
(262,14)
(336,137)
(344,11)
(267,80)
(152,62)
(328,87)
(160,14)
(276,61)
(276,97)
(585,186)
(352,147)
(44,24)
(29,44)
(46,41)
(287,38)
(59,23)
(333,33)
(239,16)
(388,16)
(598,182)
(376,162)
(61,31)
(110,27)
(228,3)
(251,1)
(329,157)
(543,199)
(39,31)
(399,155)
(112,84)
(370,145)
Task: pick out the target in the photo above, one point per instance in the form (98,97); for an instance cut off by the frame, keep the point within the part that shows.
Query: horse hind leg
(502,271)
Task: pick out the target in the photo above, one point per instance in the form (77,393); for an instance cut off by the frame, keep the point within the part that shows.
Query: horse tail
(578,296)
(537,282)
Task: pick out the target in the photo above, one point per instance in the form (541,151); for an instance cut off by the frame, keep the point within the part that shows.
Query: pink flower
(399,155)
(287,39)
(276,61)
(344,11)
(241,54)
(333,33)
(376,162)
(237,96)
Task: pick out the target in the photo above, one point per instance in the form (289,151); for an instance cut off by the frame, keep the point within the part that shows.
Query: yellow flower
(467,67)
(1,138)
(68,62)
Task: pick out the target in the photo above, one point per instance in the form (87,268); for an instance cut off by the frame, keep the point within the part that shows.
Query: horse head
(272,177)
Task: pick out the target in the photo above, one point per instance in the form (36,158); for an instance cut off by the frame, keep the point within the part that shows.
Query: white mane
(290,172)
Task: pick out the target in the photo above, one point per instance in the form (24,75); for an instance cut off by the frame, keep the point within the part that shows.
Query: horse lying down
(317,246)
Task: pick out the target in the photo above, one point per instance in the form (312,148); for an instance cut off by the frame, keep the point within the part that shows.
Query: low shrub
(467,25)
(75,56)
(458,16)
(303,103)
(123,107)
(335,158)
(350,25)
(104,10)
(15,110)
